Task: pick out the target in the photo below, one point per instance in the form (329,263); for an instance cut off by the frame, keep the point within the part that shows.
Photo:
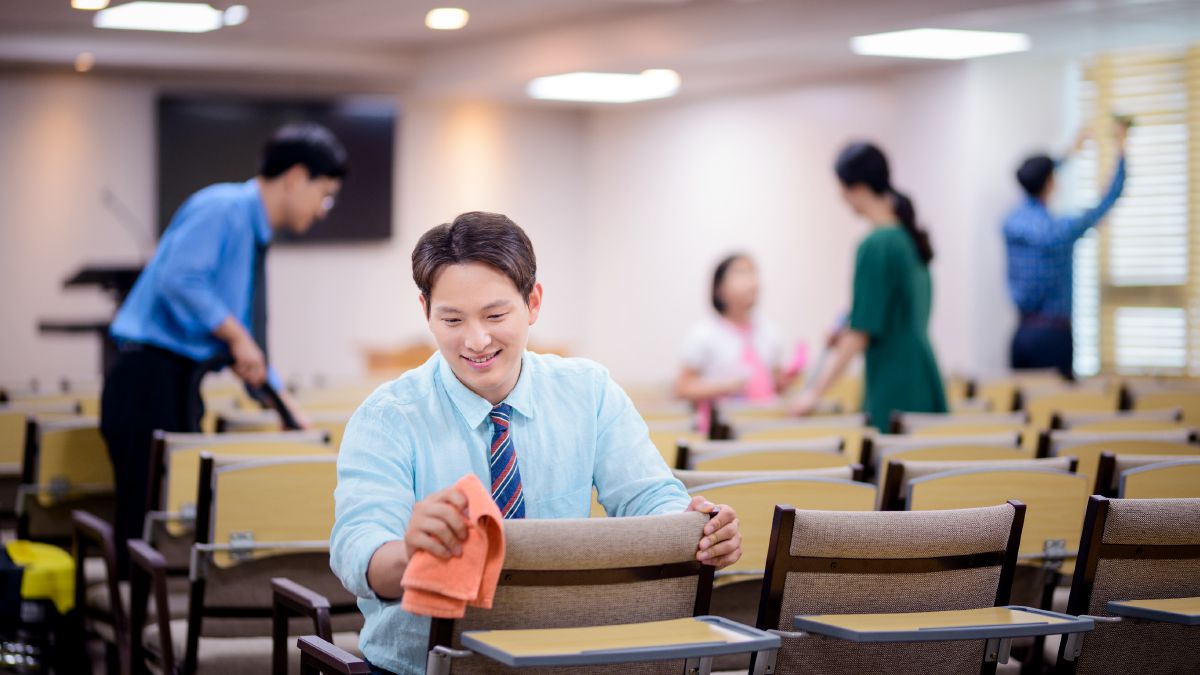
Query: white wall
(628,207)
(64,139)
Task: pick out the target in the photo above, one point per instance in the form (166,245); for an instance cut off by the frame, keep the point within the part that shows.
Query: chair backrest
(1087,447)
(882,449)
(893,494)
(839,562)
(672,411)
(248,421)
(1042,405)
(666,435)
(997,395)
(257,519)
(1111,466)
(813,453)
(852,429)
(1186,399)
(12,440)
(182,473)
(1054,501)
(755,500)
(691,479)
(958,423)
(45,410)
(740,413)
(846,393)
(1176,479)
(85,404)
(245,505)
(569,573)
(166,444)
(332,422)
(1122,420)
(64,457)
(1136,549)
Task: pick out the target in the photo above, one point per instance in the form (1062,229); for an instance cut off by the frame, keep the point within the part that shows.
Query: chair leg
(698,666)
(764,662)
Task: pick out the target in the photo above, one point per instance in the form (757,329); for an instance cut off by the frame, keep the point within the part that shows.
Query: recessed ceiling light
(84,62)
(177,17)
(447,18)
(89,4)
(606,87)
(236,15)
(938,43)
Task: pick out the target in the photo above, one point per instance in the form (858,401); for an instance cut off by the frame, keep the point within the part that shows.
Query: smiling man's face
(481,325)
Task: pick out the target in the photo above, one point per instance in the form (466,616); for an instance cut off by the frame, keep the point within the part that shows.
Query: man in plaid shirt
(1040,247)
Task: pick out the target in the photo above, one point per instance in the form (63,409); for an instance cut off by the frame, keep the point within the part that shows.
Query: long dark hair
(719,278)
(864,164)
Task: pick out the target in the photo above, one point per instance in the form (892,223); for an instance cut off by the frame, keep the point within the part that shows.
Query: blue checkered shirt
(1040,247)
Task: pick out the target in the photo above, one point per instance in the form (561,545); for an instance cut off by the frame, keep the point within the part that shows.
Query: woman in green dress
(889,316)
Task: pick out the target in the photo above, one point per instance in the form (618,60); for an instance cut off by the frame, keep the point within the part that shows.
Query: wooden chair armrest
(317,655)
(291,599)
(148,575)
(89,532)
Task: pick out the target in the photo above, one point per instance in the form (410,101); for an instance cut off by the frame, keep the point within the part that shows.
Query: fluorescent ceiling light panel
(447,18)
(939,43)
(605,87)
(236,15)
(89,4)
(175,17)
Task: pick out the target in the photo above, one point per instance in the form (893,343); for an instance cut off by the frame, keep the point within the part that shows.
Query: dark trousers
(148,389)
(1044,342)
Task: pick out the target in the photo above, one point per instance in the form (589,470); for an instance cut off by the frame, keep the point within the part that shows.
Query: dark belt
(1046,321)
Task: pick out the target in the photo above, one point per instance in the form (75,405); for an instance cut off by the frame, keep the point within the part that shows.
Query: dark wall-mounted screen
(204,140)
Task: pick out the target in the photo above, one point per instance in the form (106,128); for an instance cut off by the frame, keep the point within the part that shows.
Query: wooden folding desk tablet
(988,623)
(1185,611)
(690,638)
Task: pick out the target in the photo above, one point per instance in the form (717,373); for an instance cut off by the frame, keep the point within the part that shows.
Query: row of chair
(834,562)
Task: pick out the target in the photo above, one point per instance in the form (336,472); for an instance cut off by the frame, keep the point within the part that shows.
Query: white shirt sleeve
(698,348)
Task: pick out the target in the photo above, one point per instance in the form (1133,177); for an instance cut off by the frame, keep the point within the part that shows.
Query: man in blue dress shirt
(203,295)
(1040,262)
(540,430)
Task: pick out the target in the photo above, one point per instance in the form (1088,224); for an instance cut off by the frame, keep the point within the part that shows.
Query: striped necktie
(506,475)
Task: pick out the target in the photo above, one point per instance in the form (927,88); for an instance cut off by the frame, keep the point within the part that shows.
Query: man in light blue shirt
(203,295)
(540,430)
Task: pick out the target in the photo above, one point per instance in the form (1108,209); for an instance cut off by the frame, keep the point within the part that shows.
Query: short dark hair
(1034,173)
(719,278)
(305,143)
(489,238)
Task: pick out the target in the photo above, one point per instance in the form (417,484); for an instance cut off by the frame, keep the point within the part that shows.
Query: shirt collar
(473,407)
(262,227)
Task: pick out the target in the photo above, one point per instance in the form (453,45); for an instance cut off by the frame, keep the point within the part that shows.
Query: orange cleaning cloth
(443,588)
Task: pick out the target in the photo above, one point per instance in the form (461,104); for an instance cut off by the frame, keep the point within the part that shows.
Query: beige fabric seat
(1136,549)
(861,562)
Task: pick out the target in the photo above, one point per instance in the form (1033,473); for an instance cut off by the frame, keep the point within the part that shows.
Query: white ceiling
(716,45)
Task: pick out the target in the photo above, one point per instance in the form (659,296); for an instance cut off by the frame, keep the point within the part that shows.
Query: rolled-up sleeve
(374,495)
(630,475)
